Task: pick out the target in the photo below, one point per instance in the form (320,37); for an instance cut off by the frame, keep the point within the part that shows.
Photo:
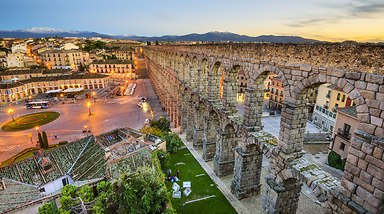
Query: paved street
(107,114)
(272,123)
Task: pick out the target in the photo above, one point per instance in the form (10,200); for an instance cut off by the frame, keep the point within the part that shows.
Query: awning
(70,90)
(53,91)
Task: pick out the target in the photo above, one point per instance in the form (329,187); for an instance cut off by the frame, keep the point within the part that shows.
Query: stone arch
(203,77)
(199,121)
(193,73)
(230,89)
(186,74)
(209,143)
(254,95)
(214,76)
(295,111)
(225,156)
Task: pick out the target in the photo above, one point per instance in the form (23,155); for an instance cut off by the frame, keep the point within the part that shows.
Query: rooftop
(33,71)
(112,61)
(351,111)
(92,157)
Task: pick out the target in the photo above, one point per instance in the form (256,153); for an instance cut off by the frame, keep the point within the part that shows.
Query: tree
(47,208)
(173,142)
(142,192)
(86,193)
(162,123)
(45,140)
(41,144)
(151,130)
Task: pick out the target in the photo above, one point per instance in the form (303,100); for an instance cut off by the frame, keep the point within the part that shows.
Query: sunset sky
(332,20)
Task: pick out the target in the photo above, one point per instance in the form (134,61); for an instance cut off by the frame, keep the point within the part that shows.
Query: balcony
(344,134)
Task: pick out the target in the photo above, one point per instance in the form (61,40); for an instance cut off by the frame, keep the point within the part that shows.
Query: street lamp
(122,91)
(94,96)
(10,111)
(61,97)
(37,129)
(89,108)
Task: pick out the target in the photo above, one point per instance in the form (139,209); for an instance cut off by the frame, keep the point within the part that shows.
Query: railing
(344,134)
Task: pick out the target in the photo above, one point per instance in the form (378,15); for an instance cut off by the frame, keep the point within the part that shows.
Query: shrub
(173,142)
(47,208)
(335,160)
(162,123)
(63,142)
(163,158)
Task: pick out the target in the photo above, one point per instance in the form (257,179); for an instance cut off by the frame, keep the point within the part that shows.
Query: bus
(41,104)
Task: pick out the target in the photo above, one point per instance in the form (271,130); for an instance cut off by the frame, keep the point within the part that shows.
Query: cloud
(344,10)
(366,8)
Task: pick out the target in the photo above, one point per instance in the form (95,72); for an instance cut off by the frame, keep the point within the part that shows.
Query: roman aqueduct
(197,85)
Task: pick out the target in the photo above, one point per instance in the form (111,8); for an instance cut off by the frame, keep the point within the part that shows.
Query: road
(107,114)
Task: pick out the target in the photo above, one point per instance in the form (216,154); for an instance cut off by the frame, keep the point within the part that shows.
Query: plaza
(107,114)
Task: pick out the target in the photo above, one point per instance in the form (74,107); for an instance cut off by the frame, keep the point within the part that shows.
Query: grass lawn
(29,121)
(201,186)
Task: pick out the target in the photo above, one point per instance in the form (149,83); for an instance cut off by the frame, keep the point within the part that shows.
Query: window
(342,146)
(317,107)
(328,94)
(347,128)
(343,99)
(338,96)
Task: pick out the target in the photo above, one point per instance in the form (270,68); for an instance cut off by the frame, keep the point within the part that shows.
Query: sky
(330,20)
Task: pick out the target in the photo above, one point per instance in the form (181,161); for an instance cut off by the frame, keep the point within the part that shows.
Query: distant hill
(46,32)
(38,32)
(226,36)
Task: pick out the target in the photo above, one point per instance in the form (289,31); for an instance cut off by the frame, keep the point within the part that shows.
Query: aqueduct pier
(197,85)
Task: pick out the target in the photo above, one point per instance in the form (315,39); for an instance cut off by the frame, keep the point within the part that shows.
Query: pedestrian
(177,173)
(169,172)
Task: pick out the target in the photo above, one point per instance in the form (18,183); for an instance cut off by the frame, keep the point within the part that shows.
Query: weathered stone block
(374,78)
(352,75)
(377,162)
(367,148)
(372,87)
(375,171)
(377,121)
(367,94)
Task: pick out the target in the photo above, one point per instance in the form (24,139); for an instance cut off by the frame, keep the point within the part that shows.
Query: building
(65,59)
(15,60)
(122,54)
(276,91)
(346,123)
(85,161)
(3,59)
(70,46)
(242,85)
(328,100)
(112,67)
(18,85)
(19,48)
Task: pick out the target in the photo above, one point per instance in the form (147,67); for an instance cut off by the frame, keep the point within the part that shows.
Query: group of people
(173,178)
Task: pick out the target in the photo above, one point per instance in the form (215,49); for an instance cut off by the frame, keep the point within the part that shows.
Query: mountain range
(38,32)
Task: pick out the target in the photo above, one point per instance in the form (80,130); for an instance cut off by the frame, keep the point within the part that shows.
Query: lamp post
(62,98)
(10,111)
(94,96)
(122,91)
(85,130)
(89,108)
(37,129)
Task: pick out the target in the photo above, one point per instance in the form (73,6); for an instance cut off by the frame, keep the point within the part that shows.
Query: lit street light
(10,111)
(94,96)
(37,129)
(89,108)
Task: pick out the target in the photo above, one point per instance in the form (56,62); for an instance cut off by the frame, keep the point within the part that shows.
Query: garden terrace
(16,194)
